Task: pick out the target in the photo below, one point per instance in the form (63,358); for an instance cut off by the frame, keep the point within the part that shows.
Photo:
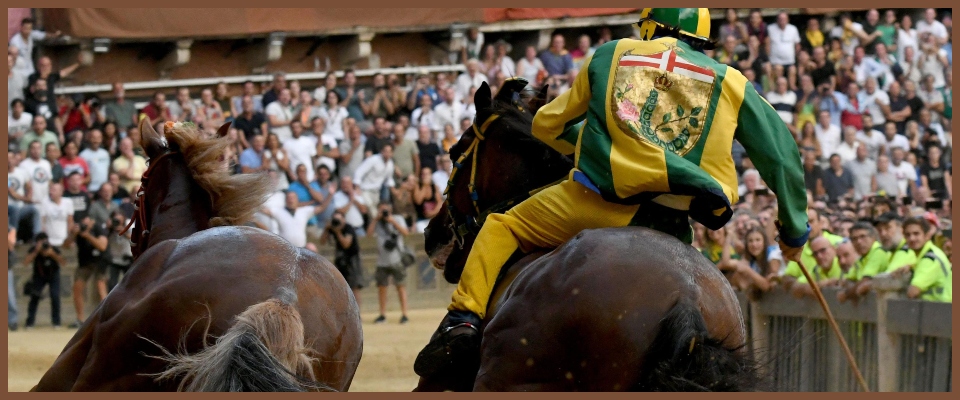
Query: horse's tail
(684,358)
(263,351)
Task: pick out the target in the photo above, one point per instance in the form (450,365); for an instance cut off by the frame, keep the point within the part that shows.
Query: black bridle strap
(140,210)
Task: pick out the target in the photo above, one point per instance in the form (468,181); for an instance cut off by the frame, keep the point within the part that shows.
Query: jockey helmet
(691,22)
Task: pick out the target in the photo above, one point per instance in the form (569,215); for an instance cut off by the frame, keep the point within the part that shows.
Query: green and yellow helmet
(692,22)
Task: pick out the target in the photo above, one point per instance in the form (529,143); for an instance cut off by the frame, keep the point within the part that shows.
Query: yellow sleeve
(568,109)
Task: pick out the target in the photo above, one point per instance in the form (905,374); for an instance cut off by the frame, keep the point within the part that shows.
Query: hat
(888,217)
(504,43)
(932,218)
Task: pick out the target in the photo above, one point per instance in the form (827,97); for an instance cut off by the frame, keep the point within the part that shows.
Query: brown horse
(612,309)
(284,318)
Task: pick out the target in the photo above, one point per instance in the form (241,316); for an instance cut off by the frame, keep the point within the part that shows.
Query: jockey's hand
(791,253)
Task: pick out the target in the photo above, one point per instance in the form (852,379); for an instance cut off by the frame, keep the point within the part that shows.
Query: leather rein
(138,240)
(463,224)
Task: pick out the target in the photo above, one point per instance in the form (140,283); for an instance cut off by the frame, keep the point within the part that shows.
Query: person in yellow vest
(873,259)
(827,271)
(932,278)
(890,231)
(817,225)
(659,118)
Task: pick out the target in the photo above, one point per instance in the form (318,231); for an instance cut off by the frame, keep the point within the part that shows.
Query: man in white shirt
(373,173)
(25,40)
(783,101)
(40,172)
(847,150)
(471,78)
(930,25)
(894,140)
(20,204)
(352,204)
(442,175)
(280,114)
(56,215)
(18,123)
(864,170)
(448,112)
(872,138)
(784,41)
(905,172)
(828,134)
(425,114)
(931,97)
(873,101)
(300,148)
(292,220)
(98,160)
(867,67)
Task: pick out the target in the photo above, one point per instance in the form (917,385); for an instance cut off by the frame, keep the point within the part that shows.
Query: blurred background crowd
(867,95)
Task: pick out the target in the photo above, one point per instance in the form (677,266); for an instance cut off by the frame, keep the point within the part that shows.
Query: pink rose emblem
(627,111)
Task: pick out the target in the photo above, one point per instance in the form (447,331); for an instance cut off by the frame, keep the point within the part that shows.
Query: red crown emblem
(662,83)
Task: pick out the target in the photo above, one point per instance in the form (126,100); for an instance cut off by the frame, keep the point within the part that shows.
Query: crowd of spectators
(869,101)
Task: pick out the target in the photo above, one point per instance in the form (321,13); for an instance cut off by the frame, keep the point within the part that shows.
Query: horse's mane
(234,198)
(519,121)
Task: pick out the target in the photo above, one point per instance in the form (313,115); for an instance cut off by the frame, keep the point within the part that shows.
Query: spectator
(892,139)
(557,60)
(183,108)
(931,277)
(756,26)
(732,26)
(401,197)
(334,115)
(827,133)
(935,178)
(422,86)
(381,103)
(899,108)
(129,166)
(328,150)
(39,133)
(427,198)
(784,41)
(249,90)
(72,162)
(314,193)
(292,218)
(875,103)
(582,52)
(351,203)
(931,97)
(442,175)
(300,149)
(53,157)
(46,260)
(353,99)
(761,262)
(864,173)
(913,101)
(930,131)
(101,204)
(837,181)
(887,64)
(351,153)
(470,79)
(508,68)
(827,271)
(530,67)
(450,111)
(21,205)
(728,54)
(16,76)
(40,172)
(808,140)
(373,173)
(870,137)
(91,240)
(890,232)
(406,153)
(812,174)
(280,115)
(425,115)
(808,99)
(25,40)
(427,147)
(251,122)
(209,110)
(119,254)
(277,158)
(870,32)
(380,138)
(886,180)
(783,101)
(849,32)
(120,194)
(12,314)
(488,62)
(96,159)
(158,111)
(390,231)
(18,123)
(905,172)
(812,37)
(279,83)
(251,160)
(931,61)
(347,252)
(935,29)
(473,45)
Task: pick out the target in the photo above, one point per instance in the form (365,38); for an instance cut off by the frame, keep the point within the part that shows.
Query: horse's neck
(184,211)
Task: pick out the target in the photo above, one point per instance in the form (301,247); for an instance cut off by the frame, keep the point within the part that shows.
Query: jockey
(654,149)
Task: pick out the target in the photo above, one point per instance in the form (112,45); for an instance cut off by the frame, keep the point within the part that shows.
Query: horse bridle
(467,224)
(140,216)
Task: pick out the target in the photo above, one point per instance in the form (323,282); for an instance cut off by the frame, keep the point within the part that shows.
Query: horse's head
(188,181)
(497,162)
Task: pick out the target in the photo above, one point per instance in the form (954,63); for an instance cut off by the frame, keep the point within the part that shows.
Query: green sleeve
(774,152)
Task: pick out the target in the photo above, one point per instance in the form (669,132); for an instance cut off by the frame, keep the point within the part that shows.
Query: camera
(335,223)
(83,226)
(384,214)
(45,246)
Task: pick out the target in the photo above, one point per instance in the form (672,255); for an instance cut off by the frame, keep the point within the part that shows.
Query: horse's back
(601,297)
(182,292)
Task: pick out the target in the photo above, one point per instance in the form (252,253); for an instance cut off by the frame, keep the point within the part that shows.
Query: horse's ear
(510,91)
(224,129)
(539,100)
(150,140)
(483,99)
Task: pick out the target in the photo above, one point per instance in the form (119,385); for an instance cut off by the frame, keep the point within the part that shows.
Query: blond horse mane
(235,198)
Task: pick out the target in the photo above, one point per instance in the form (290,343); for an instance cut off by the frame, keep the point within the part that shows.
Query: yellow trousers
(544,221)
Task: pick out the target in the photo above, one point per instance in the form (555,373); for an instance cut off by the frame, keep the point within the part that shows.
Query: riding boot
(454,346)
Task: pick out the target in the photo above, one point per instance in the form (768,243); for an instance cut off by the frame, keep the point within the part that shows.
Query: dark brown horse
(612,309)
(283,318)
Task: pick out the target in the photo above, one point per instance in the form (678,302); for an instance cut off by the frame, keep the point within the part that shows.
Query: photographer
(91,240)
(46,260)
(347,255)
(390,230)
(119,253)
